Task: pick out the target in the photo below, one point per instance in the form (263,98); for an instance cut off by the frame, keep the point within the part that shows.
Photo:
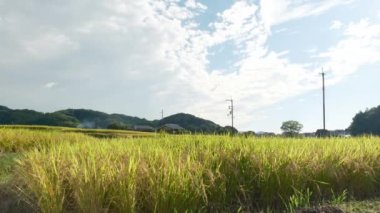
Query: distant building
(144,128)
(171,128)
(309,134)
(340,133)
(328,133)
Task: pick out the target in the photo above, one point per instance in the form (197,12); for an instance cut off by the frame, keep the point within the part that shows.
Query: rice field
(99,133)
(57,171)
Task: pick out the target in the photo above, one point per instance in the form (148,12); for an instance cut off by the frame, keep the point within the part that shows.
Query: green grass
(60,171)
(7,163)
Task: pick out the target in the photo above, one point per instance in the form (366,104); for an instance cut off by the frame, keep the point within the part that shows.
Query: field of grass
(100,133)
(61,171)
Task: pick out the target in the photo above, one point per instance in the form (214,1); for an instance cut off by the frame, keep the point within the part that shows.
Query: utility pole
(231,112)
(324,103)
(162,114)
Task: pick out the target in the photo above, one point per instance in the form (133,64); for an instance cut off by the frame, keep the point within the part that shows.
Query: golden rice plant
(197,173)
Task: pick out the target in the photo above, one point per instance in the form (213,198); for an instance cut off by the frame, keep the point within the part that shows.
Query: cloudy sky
(138,57)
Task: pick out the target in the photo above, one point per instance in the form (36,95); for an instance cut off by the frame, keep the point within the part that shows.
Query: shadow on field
(10,202)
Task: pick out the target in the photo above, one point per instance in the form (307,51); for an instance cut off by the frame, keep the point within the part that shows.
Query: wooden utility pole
(231,112)
(324,103)
(162,114)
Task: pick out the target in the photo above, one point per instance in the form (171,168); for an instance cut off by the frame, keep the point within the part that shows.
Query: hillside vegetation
(84,118)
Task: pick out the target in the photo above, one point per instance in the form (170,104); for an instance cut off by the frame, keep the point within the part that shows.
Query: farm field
(100,133)
(57,170)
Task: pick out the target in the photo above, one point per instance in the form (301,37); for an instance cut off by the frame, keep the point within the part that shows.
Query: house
(171,128)
(143,128)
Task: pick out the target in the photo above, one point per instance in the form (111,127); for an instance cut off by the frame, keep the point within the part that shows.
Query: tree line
(363,123)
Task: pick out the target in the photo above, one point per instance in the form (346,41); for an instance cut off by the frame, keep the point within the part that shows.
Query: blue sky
(138,57)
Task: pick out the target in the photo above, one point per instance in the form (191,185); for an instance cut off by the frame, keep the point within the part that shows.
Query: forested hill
(192,123)
(85,118)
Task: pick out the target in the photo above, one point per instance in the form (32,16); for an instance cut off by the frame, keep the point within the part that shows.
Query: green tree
(120,126)
(291,128)
(367,122)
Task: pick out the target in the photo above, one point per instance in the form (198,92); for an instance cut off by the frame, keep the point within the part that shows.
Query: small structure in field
(309,134)
(171,128)
(143,128)
(340,133)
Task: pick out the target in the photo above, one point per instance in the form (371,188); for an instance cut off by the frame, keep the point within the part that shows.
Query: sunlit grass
(194,173)
(62,171)
(102,133)
(18,140)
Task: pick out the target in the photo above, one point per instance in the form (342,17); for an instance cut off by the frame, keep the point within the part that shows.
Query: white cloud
(361,46)
(136,57)
(281,30)
(336,25)
(116,52)
(265,77)
(50,85)
(274,12)
(50,45)
(261,78)
(193,4)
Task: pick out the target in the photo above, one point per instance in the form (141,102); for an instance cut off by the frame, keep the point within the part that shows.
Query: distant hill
(31,117)
(3,108)
(95,119)
(191,123)
(84,118)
